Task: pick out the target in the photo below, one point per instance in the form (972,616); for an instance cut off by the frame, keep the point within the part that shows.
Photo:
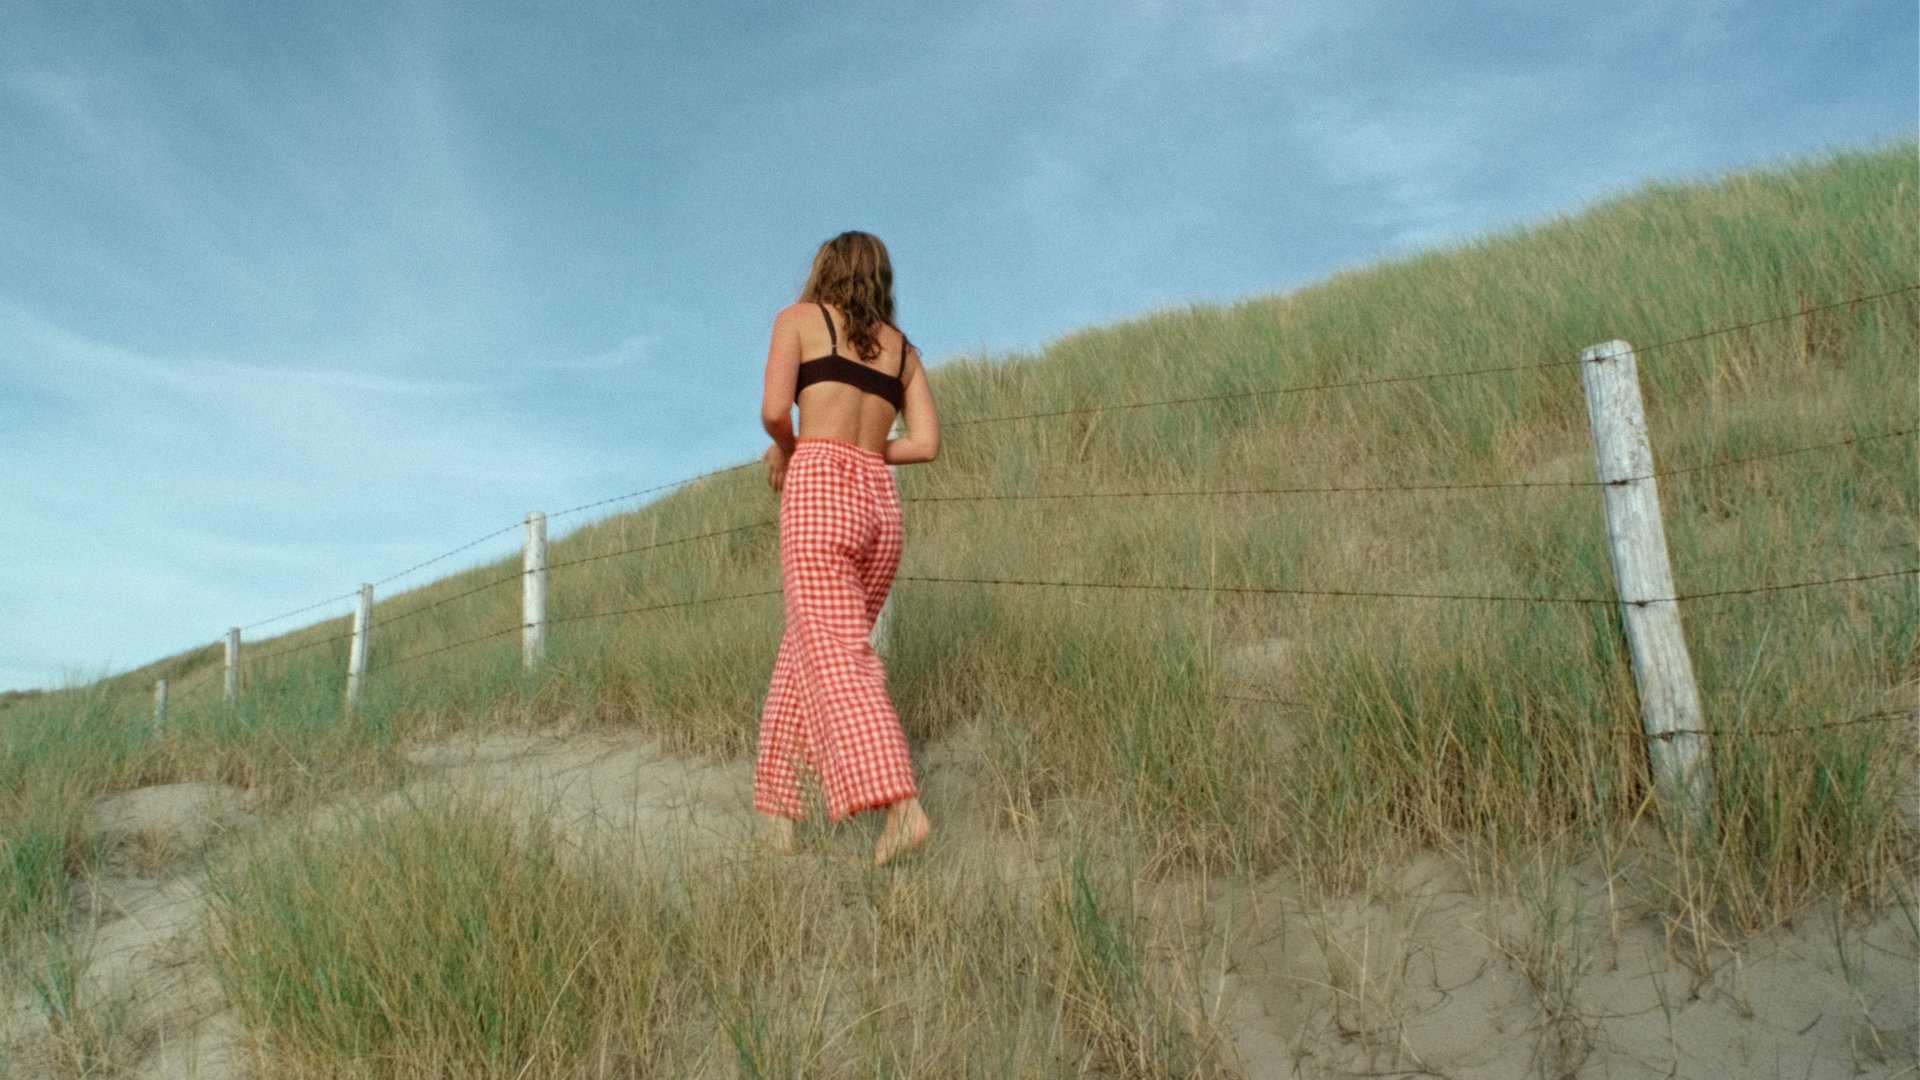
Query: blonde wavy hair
(852,272)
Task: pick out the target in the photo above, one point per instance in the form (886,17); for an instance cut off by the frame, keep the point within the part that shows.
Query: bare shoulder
(786,316)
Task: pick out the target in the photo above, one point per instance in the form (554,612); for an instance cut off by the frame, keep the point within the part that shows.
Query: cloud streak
(291,299)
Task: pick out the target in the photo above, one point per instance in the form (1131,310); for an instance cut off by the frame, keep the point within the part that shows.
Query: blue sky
(294,296)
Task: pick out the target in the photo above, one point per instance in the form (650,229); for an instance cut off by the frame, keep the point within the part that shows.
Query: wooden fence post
(1670,709)
(357,650)
(533,593)
(233,665)
(160,709)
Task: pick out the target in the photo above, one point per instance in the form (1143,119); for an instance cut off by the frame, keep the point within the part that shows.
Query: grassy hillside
(1262,714)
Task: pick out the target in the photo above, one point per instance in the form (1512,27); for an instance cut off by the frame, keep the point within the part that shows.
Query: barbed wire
(1257,590)
(328,602)
(1158,493)
(664,607)
(461,595)
(456,645)
(1346,384)
(1788,317)
(1783,729)
(1727,462)
(1358,489)
(649,491)
(1787,587)
(292,649)
(1715,732)
(1262,590)
(1198,399)
(554,566)
(390,578)
(1397,488)
(1252,700)
(190,682)
(663,544)
(470,545)
(1273,391)
(1162,493)
(580,618)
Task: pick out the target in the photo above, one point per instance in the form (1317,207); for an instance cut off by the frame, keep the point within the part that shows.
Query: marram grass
(469,938)
(1232,730)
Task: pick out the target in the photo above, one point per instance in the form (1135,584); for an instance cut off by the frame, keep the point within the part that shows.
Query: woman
(837,355)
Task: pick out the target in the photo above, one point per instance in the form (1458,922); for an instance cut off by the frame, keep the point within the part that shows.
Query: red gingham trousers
(827,708)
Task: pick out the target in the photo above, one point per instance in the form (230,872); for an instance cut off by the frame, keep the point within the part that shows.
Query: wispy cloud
(217,487)
(292,298)
(631,350)
(329,199)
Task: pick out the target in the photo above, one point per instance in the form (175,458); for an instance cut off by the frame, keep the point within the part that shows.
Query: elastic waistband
(835,446)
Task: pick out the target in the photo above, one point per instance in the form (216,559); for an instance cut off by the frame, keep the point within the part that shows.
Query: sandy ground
(1430,974)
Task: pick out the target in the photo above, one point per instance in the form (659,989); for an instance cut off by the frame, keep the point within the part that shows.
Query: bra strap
(831,336)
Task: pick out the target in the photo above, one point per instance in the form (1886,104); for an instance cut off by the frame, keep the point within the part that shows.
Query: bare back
(836,410)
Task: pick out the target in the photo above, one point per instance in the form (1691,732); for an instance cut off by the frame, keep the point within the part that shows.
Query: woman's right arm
(922,440)
(783,372)
(776,394)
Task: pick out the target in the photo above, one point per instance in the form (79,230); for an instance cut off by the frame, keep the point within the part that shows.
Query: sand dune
(1435,972)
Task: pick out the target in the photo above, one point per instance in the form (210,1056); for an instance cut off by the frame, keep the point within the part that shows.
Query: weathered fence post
(1662,670)
(533,593)
(233,664)
(357,650)
(160,709)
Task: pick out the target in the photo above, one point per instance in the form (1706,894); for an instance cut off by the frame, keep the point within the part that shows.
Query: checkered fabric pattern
(827,709)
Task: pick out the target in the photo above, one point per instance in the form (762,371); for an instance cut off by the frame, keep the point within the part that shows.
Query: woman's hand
(776,459)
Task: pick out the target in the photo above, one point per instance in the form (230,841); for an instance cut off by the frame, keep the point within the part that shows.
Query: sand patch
(155,825)
(596,785)
(1430,972)
(1432,976)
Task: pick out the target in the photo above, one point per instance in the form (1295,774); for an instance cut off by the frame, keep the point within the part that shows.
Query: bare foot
(779,833)
(907,827)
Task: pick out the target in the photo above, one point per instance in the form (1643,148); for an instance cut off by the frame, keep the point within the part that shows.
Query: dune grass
(1228,731)
(469,938)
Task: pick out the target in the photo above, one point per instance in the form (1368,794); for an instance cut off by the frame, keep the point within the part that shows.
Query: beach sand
(1439,968)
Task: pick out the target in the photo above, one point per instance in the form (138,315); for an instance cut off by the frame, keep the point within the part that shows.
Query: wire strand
(1183,493)
(493,536)
(1788,317)
(649,491)
(663,607)
(1399,488)
(1782,729)
(461,595)
(1367,595)
(579,618)
(292,649)
(662,544)
(1268,392)
(1258,590)
(1786,587)
(1427,376)
(328,602)
(1727,462)
(1199,399)
(456,645)
(448,555)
